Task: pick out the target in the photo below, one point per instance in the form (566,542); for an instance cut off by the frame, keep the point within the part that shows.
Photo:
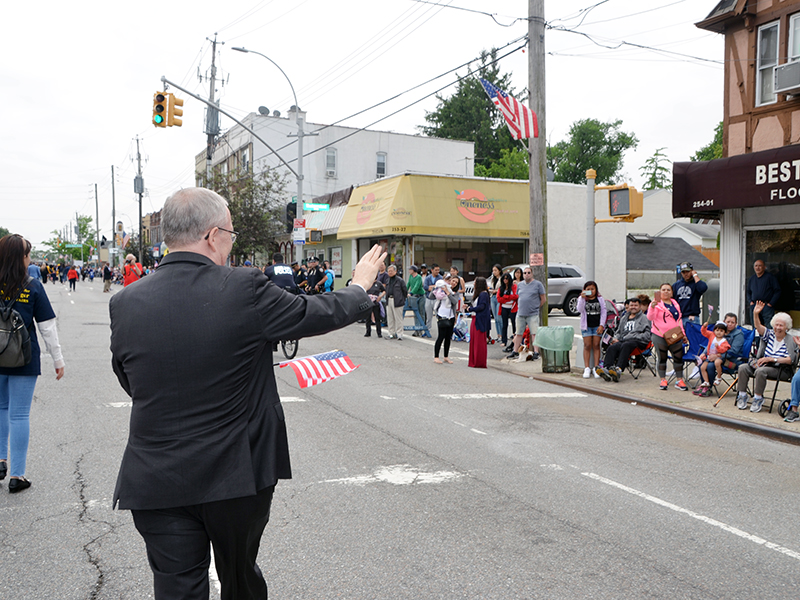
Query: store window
(330,162)
(780,251)
(767,60)
(381,165)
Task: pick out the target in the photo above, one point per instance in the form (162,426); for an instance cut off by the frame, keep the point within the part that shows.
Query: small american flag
(520,119)
(311,370)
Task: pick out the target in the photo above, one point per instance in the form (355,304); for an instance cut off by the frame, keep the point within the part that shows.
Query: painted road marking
(513,395)
(399,475)
(292,399)
(708,520)
(388,397)
(478,431)
(118,404)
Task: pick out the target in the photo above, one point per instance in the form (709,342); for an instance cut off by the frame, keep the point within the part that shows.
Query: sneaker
(705,392)
(695,374)
(513,355)
(508,349)
(535,356)
(663,385)
(614,372)
(792,416)
(741,401)
(756,405)
(587,373)
(596,376)
(601,372)
(681,385)
(670,373)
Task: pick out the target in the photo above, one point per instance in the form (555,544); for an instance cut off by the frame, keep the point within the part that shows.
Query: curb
(781,435)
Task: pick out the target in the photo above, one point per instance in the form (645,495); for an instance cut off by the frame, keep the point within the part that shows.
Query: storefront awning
(442,206)
(767,178)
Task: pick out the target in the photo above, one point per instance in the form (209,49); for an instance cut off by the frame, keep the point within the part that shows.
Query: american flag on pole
(311,370)
(520,119)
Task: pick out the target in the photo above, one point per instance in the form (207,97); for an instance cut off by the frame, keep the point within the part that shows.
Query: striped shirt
(775,349)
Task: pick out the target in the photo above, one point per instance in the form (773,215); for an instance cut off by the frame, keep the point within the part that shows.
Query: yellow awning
(443,206)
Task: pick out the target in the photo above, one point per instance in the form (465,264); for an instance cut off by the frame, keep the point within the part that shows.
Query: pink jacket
(662,318)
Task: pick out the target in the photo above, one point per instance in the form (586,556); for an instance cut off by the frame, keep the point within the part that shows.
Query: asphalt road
(416,480)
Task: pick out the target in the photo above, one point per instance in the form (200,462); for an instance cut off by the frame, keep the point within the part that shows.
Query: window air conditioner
(787,78)
(330,173)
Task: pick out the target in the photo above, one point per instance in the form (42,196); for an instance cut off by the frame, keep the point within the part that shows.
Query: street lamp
(300,135)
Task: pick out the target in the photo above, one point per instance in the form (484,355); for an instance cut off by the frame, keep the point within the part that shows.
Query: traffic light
(291,215)
(160,109)
(314,236)
(173,111)
(625,202)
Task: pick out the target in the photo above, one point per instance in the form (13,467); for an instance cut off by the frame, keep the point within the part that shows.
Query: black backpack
(15,340)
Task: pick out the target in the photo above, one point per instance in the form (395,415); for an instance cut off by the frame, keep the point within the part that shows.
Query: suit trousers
(394,318)
(177,541)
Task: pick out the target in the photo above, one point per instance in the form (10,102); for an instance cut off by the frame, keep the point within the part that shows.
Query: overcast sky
(78,80)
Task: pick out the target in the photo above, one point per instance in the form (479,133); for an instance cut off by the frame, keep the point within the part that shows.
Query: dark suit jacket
(192,346)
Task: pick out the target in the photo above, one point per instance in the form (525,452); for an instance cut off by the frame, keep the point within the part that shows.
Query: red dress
(477,347)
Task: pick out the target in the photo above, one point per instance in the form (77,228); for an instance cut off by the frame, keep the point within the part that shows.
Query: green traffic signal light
(158,119)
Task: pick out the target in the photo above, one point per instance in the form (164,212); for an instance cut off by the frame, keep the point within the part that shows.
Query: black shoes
(17,485)
(3,470)
(367,334)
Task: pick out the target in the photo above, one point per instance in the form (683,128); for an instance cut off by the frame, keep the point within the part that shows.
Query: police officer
(281,274)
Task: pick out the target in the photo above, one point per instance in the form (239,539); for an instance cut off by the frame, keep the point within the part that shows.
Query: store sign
(767,178)
(473,205)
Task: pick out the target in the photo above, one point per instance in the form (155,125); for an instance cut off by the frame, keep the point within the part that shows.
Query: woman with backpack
(18,372)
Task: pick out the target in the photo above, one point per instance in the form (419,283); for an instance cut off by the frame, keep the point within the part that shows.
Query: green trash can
(555,344)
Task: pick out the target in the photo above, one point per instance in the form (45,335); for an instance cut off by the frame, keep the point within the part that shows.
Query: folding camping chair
(733,372)
(693,345)
(641,359)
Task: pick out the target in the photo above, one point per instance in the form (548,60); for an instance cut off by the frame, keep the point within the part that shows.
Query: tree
(656,175)
(513,164)
(257,204)
(85,237)
(591,145)
(713,149)
(4,232)
(469,114)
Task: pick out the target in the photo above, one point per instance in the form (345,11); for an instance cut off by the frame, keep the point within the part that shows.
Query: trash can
(555,344)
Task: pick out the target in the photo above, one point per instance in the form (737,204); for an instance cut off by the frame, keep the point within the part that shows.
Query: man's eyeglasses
(234,234)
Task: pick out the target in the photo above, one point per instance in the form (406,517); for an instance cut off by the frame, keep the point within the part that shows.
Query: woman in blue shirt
(17,384)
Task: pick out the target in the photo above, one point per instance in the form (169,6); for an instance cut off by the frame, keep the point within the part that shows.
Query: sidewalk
(646,391)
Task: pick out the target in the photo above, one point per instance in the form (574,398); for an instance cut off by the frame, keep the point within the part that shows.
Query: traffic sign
(298,223)
(72,245)
(312,206)
(299,235)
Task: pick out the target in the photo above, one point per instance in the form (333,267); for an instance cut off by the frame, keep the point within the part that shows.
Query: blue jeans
(496,315)
(795,391)
(16,395)
(416,304)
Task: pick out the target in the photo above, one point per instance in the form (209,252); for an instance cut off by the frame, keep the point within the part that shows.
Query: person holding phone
(593,311)
(667,334)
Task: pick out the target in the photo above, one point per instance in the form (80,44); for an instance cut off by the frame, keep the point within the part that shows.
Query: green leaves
(656,175)
(713,149)
(591,145)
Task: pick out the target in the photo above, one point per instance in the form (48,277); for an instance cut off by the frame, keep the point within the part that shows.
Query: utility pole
(212,114)
(113,220)
(538,148)
(138,188)
(97,223)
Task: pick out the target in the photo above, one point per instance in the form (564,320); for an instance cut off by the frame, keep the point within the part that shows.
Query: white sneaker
(695,373)
(670,373)
(587,373)
(596,374)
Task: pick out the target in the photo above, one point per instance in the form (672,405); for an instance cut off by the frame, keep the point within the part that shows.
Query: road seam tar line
(708,520)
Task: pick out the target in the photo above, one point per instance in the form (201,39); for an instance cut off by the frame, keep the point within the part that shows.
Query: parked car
(564,286)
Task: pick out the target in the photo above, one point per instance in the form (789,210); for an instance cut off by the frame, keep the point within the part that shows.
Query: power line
(480,12)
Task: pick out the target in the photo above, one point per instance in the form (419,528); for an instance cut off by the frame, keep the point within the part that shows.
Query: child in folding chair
(715,353)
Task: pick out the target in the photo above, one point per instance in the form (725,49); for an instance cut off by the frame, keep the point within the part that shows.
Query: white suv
(564,286)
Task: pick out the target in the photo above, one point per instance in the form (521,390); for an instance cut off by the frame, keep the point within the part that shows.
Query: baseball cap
(685,266)
(247,263)
(424,266)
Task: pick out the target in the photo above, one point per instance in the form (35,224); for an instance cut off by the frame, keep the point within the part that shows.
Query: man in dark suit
(192,346)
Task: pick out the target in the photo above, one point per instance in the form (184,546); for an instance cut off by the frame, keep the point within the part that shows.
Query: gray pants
(429,302)
(394,318)
(761,375)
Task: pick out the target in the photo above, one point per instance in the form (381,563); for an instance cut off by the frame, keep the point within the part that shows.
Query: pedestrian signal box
(160,109)
(314,236)
(625,202)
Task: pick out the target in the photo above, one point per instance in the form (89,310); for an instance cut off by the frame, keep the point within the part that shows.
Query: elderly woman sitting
(776,349)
